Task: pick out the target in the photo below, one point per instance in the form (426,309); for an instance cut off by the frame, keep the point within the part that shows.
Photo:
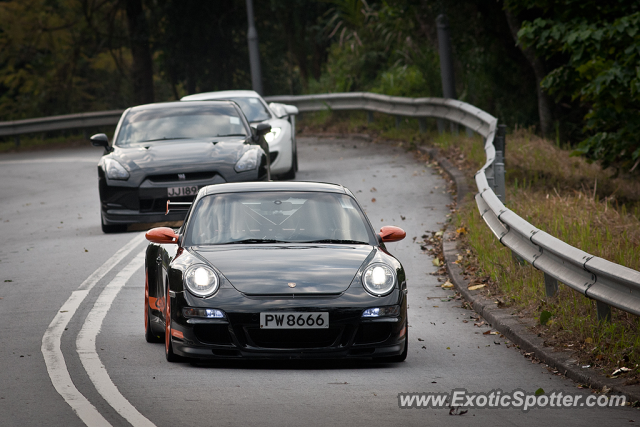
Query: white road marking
(53,357)
(86,346)
(50,160)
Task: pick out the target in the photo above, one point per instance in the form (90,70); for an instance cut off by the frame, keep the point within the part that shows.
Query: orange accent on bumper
(177,334)
(403,331)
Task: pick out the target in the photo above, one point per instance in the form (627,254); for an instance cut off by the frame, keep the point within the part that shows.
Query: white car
(281,139)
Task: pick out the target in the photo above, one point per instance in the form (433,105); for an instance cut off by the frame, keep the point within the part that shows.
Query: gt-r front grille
(174,177)
(294,338)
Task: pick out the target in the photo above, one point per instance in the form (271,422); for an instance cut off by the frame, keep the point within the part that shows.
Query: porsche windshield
(180,122)
(278,217)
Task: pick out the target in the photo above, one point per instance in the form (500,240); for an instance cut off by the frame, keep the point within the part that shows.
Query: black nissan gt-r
(275,270)
(171,150)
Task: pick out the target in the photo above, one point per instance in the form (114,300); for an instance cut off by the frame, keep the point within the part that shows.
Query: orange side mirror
(390,233)
(161,235)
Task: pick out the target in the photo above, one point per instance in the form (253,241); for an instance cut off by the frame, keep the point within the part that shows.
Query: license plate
(298,320)
(182,191)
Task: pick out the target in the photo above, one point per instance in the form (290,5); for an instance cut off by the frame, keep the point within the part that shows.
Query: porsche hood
(288,269)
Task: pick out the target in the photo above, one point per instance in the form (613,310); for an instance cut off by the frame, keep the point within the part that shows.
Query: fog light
(392,310)
(208,313)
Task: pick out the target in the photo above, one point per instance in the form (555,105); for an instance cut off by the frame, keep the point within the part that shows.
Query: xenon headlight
(379,279)
(248,161)
(273,135)
(201,280)
(115,170)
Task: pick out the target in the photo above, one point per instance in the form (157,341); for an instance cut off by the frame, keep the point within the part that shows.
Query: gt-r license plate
(182,191)
(298,320)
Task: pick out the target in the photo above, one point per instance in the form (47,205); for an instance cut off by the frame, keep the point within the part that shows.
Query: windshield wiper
(164,138)
(254,241)
(353,242)
(233,134)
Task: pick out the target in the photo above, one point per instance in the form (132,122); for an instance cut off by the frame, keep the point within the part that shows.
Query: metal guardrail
(608,283)
(69,121)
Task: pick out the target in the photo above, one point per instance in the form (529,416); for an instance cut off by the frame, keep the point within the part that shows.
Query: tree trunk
(544,102)
(142,71)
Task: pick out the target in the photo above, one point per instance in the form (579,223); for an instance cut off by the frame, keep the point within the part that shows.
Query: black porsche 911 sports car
(275,270)
(171,150)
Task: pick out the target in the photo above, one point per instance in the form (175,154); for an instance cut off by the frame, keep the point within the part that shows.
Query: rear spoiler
(177,206)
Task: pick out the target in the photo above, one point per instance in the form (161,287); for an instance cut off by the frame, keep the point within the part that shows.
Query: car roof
(223,94)
(178,104)
(242,187)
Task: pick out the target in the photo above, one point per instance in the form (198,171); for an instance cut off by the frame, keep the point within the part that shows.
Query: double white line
(85,343)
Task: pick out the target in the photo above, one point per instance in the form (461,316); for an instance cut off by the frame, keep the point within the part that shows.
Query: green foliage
(597,51)
(52,61)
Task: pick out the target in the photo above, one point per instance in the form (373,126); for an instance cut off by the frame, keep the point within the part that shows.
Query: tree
(596,46)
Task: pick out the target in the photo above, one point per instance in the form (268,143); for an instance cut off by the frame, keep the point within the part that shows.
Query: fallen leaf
(475,287)
(486,332)
(545,316)
(605,390)
(403,218)
(447,285)
(539,392)
(373,189)
(420,339)
(438,234)
(436,262)
(373,200)
(588,340)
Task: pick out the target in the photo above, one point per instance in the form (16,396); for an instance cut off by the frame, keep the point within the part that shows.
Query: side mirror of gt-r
(161,235)
(100,140)
(390,233)
(263,129)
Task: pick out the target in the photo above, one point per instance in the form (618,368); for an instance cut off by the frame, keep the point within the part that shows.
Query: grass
(576,201)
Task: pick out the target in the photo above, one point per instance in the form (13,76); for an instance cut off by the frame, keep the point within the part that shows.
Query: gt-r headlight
(248,161)
(379,279)
(273,135)
(201,280)
(115,170)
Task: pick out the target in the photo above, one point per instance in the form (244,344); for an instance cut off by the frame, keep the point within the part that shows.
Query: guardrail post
(550,285)
(369,116)
(440,126)
(498,164)
(16,138)
(398,122)
(469,131)
(517,259)
(604,311)
(422,122)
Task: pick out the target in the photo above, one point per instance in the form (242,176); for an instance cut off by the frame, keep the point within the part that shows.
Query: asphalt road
(53,254)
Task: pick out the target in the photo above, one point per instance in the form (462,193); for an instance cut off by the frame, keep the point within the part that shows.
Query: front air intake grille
(212,334)
(372,333)
(175,177)
(294,338)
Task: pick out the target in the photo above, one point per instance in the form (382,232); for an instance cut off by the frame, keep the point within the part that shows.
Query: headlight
(201,280)
(115,170)
(273,135)
(248,161)
(379,279)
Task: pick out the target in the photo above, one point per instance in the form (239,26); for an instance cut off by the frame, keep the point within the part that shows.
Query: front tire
(149,335)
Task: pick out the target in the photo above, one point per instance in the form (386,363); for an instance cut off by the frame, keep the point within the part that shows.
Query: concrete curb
(512,327)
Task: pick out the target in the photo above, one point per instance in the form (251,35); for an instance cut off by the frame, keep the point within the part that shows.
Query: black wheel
(108,229)
(149,334)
